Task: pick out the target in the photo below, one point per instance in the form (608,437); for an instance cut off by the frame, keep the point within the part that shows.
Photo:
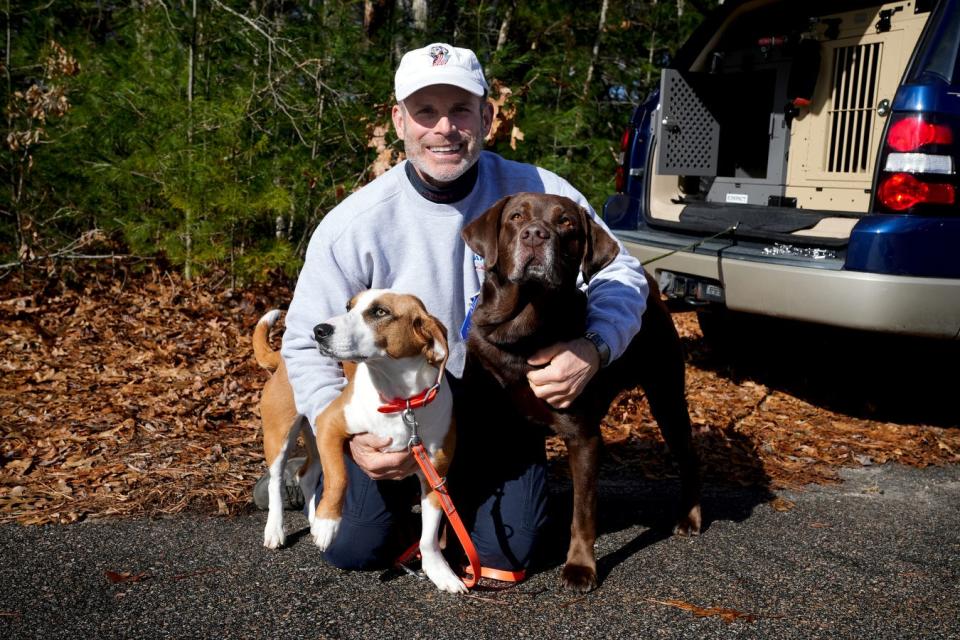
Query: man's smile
(448,149)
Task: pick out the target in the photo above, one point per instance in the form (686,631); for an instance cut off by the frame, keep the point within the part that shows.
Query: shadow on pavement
(871,376)
(638,487)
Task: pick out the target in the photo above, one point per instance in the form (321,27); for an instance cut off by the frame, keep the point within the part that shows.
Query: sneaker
(290,489)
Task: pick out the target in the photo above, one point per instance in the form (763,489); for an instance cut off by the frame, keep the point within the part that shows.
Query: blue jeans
(497,482)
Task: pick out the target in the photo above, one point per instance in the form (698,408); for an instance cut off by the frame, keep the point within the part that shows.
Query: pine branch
(273,82)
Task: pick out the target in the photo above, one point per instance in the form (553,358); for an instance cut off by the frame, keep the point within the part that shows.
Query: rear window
(941,49)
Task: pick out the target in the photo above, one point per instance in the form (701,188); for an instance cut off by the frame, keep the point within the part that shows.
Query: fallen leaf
(727,615)
(781,504)
(116,576)
(19,467)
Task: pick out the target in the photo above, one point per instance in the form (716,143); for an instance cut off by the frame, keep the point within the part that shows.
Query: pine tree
(217,133)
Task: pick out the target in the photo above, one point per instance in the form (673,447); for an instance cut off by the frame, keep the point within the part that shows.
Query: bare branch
(63,255)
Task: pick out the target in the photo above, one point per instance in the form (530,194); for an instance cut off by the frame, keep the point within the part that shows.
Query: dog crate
(783,109)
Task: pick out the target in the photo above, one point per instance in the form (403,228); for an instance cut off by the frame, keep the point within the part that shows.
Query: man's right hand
(367,450)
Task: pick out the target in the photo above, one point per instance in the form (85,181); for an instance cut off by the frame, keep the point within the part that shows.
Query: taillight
(620,176)
(917,166)
(914,132)
(901,191)
(620,179)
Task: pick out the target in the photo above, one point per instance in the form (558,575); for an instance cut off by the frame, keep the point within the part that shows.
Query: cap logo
(439,55)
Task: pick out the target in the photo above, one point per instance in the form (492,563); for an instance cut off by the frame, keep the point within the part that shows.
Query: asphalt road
(875,557)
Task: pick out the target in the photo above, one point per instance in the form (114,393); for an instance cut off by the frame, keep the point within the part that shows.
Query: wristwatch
(602,348)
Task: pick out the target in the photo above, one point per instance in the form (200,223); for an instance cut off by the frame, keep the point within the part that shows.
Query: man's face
(442,128)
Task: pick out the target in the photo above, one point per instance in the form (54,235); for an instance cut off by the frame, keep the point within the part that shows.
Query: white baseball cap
(439,63)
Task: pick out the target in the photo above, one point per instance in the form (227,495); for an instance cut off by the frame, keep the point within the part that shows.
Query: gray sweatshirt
(388,236)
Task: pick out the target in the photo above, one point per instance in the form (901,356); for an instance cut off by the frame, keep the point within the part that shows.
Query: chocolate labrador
(534,246)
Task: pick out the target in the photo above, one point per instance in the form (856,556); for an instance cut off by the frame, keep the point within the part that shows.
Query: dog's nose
(322,331)
(534,235)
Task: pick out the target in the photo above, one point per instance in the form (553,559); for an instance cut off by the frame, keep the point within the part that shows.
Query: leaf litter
(127,393)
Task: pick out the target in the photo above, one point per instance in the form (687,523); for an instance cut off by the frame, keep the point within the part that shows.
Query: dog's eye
(516,215)
(379,312)
(566,222)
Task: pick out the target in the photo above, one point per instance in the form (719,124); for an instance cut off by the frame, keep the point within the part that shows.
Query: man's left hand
(570,366)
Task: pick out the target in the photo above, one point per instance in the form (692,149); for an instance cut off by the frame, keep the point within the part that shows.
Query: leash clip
(410,419)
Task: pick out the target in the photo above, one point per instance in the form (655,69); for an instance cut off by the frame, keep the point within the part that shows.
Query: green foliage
(235,169)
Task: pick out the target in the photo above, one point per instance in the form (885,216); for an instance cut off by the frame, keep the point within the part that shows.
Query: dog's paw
(576,577)
(273,535)
(689,525)
(441,575)
(324,531)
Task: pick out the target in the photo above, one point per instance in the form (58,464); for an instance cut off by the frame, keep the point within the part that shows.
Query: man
(402,232)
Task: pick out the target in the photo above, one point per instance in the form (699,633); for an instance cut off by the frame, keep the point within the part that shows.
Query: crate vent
(690,146)
(855,71)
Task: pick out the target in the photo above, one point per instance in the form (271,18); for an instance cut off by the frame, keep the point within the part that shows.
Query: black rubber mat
(751,221)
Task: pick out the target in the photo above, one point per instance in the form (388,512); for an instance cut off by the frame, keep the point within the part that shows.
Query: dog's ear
(600,248)
(482,235)
(434,336)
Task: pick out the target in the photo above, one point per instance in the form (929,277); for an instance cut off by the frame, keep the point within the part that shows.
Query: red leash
(474,572)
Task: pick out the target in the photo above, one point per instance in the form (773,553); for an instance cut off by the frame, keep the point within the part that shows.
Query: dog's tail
(266,357)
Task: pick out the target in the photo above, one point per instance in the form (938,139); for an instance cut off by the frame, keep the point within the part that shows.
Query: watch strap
(603,349)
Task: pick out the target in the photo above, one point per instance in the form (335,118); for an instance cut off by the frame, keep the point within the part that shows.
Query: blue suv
(799,160)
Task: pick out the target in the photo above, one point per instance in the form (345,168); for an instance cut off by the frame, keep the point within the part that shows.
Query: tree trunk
(188,218)
(410,14)
(14,191)
(505,27)
(420,12)
(596,49)
(375,15)
(653,44)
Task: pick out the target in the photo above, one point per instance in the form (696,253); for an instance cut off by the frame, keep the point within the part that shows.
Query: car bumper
(812,290)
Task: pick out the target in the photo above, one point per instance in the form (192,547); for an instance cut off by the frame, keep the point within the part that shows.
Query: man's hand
(367,450)
(570,366)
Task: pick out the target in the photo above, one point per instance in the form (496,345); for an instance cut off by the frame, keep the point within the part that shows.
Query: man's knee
(508,524)
(374,521)
(506,548)
(360,546)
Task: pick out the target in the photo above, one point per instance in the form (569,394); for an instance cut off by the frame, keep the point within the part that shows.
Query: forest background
(213,135)
(152,142)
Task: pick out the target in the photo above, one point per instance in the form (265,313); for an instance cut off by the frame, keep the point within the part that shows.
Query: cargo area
(776,125)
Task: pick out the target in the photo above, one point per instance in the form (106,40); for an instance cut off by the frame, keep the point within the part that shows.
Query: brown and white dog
(534,246)
(392,350)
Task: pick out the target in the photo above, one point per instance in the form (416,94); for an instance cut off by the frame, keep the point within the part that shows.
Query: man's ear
(600,248)
(397,115)
(486,114)
(434,336)
(482,235)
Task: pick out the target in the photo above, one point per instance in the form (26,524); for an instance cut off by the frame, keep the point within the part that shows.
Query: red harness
(415,445)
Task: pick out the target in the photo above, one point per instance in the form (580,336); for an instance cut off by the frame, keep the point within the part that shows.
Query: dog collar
(422,399)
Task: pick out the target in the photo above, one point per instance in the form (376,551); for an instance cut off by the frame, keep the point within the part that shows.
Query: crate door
(834,147)
(687,132)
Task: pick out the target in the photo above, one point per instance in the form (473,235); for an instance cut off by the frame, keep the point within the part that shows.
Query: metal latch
(883,25)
